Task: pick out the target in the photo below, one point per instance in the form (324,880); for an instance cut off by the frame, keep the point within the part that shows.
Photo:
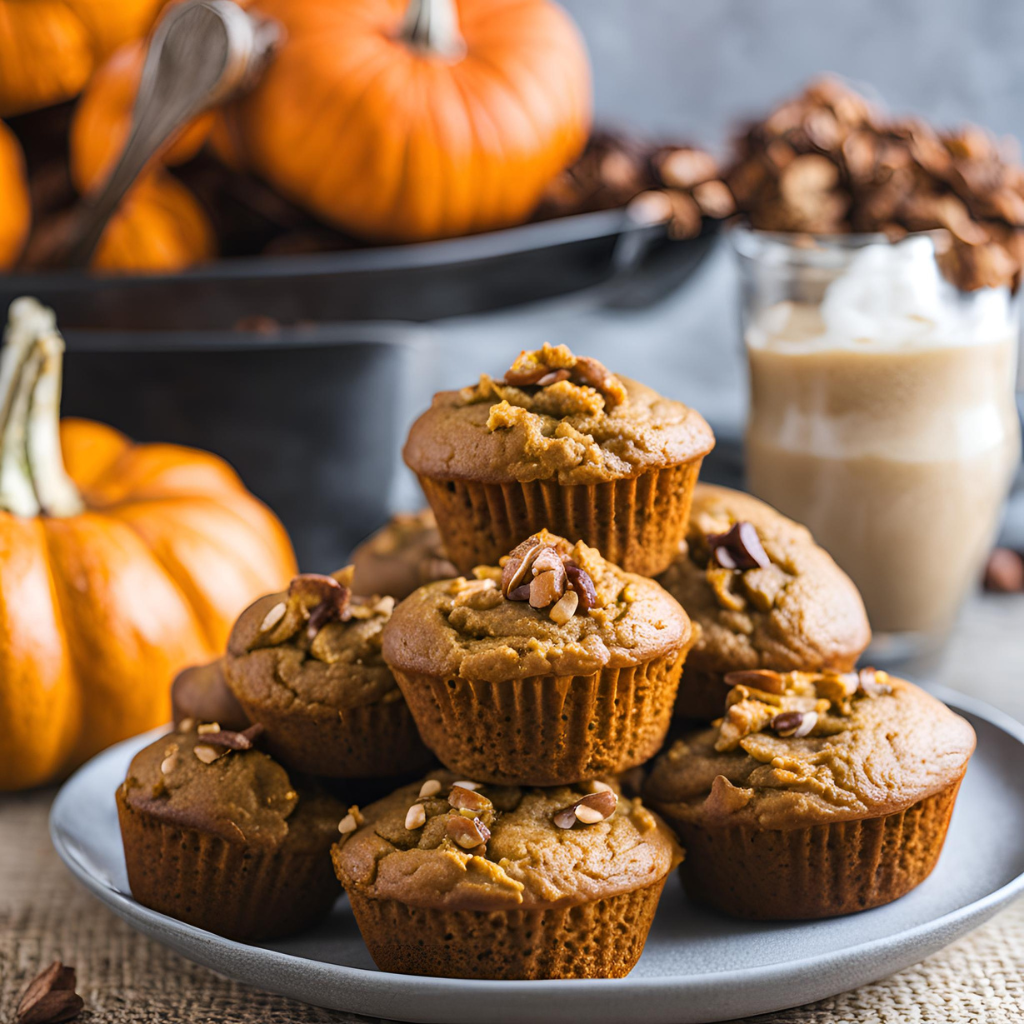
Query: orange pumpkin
(159,228)
(103,115)
(115,572)
(50,48)
(15,208)
(403,120)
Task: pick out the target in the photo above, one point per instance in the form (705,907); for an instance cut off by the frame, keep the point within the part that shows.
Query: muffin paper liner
(637,523)
(821,871)
(378,739)
(600,939)
(235,890)
(546,730)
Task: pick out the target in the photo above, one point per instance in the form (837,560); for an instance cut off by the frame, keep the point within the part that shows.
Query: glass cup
(882,416)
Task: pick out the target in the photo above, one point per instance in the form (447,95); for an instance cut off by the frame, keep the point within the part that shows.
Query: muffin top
(201,692)
(316,643)
(452,843)
(803,748)
(553,416)
(216,781)
(402,555)
(762,592)
(551,607)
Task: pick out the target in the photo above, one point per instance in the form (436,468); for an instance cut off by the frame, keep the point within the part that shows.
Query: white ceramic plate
(697,966)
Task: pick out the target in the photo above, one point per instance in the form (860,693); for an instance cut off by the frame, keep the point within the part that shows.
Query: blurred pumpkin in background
(115,572)
(50,48)
(160,226)
(15,207)
(406,120)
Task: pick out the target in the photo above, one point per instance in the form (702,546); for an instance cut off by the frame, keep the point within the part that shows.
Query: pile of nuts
(827,162)
(536,571)
(793,704)
(680,183)
(553,364)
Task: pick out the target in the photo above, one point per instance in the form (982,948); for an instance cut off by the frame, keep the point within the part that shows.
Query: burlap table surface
(124,977)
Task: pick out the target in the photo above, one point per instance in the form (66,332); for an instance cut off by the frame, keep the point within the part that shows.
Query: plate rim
(227,954)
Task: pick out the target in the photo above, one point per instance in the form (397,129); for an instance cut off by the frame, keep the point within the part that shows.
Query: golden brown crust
(803,612)
(454,629)
(891,751)
(527,860)
(241,796)
(494,434)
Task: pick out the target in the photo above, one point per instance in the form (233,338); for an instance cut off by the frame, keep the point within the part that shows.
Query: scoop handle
(202,53)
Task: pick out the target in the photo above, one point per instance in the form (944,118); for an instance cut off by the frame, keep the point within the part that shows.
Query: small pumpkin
(15,207)
(50,48)
(404,120)
(159,228)
(103,116)
(120,564)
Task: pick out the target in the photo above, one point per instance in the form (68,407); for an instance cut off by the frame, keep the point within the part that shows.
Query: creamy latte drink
(883,417)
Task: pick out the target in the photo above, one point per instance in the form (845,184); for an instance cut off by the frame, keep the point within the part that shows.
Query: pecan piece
(244,740)
(795,724)
(520,562)
(758,678)
(588,810)
(467,832)
(591,373)
(579,580)
(463,799)
(871,683)
(50,997)
(324,597)
(739,548)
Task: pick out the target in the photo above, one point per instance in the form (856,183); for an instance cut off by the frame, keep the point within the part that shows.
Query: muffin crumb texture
(505,625)
(499,847)
(797,749)
(554,415)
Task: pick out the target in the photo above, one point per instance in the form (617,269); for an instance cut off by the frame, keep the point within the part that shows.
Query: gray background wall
(695,66)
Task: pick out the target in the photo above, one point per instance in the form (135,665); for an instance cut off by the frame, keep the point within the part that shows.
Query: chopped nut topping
(430,788)
(553,365)
(739,548)
(759,678)
(565,608)
(186,725)
(416,817)
(208,727)
(581,583)
(235,740)
(169,763)
(597,786)
(463,784)
(357,814)
(795,723)
(273,617)
(467,832)
(207,754)
(468,799)
(588,810)
(347,824)
(872,683)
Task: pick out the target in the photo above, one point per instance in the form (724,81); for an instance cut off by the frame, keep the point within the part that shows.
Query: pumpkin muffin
(762,594)
(555,667)
(201,693)
(817,794)
(216,834)
(559,443)
(452,879)
(306,664)
(402,555)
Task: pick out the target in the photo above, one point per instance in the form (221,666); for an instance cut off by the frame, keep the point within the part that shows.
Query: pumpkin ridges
(39,696)
(135,624)
(203,543)
(90,449)
(17,212)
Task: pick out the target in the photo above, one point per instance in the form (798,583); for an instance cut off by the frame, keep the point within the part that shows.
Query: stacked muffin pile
(541,665)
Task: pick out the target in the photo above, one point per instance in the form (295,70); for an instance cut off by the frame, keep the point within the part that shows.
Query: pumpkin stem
(433,27)
(32,474)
